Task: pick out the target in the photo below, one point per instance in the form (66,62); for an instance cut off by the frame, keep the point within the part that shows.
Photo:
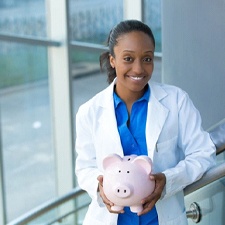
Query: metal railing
(32,40)
(98,47)
(209,177)
(217,134)
(212,175)
(48,206)
(29,40)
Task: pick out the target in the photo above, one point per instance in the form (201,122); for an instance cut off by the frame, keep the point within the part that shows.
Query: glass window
(152,16)
(25,112)
(23,17)
(25,127)
(91,20)
(87,78)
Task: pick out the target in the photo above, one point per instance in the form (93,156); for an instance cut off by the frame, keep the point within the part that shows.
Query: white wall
(194,53)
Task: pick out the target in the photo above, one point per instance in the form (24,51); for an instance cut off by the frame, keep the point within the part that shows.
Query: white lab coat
(175,141)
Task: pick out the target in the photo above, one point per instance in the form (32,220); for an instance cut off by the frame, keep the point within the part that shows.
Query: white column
(2,194)
(132,9)
(60,92)
(194,51)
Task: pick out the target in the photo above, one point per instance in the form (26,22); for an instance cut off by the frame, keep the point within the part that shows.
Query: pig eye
(119,171)
(128,159)
(128,171)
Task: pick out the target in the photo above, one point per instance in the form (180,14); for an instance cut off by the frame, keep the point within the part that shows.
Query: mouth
(136,78)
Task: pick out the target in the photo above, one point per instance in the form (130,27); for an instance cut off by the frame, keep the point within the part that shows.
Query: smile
(136,78)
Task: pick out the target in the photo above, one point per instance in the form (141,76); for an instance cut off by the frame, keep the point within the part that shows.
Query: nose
(122,191)
(137,67)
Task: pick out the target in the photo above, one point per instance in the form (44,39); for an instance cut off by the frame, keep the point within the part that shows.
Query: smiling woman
(132,117)
(133,61)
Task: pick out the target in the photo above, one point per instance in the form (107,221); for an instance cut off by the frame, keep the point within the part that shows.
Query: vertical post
(186,25)
(133,9)
(60,92)
(2,193)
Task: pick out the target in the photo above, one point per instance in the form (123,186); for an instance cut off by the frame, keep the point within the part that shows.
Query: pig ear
(145,162)
(129,157)
(110,159)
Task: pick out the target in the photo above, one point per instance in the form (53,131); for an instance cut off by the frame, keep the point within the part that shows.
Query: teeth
(136,78)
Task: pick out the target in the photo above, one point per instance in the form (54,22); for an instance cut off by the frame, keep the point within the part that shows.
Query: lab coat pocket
(164,145)
(166,154)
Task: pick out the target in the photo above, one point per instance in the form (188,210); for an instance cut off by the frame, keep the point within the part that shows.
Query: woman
(137,116)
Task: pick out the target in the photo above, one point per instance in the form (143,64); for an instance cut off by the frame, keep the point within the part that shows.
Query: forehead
(133,41)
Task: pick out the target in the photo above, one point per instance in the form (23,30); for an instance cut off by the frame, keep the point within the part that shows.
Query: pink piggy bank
(126,181)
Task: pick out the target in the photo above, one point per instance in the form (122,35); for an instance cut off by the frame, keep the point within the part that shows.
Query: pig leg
(136,208)
(116,208)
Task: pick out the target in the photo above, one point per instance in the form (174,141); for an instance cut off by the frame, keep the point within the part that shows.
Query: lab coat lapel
(156,118)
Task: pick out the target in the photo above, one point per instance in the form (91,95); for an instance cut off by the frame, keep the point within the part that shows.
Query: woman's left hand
(150,201)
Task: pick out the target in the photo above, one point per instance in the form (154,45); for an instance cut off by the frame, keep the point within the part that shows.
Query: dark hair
(123,27)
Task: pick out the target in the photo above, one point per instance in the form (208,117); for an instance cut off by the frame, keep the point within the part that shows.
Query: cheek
(150,69)
(121,69)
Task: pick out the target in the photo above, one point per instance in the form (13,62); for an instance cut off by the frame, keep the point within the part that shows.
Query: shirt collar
(145,97)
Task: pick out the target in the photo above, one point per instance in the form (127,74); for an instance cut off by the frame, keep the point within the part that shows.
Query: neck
(129,97)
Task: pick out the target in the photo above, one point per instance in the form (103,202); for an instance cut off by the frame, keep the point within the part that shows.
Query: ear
(109,160)
(129,157)
(112,61)
(145,162)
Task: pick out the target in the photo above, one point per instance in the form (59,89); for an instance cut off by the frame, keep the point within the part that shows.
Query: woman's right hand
(104,198)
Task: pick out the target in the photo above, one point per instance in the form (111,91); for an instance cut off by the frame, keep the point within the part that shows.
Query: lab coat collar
(156,117)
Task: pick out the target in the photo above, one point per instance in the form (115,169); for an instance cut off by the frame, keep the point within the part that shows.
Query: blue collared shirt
(132,128)
(132,135)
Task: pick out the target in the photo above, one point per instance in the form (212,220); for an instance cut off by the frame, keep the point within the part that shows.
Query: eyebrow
(149,51)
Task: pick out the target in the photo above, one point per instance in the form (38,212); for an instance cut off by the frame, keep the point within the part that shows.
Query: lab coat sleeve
(86,166)
(199,151)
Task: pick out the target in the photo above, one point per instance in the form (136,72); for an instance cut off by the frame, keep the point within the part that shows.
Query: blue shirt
(132,135)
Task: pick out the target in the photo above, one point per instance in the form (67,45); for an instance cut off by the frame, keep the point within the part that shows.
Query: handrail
(88,46)
(98,47)
(45,42)
(67,214)
(212,175)
(29,40)
(42,209)
(209,177)
(217,134)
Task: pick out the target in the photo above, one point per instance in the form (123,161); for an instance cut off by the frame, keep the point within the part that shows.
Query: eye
(127,59)
(128,171)
(119,171)
(147,59)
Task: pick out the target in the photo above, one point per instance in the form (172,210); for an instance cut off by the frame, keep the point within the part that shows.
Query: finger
(146,208)
(151,198)
(100,178)
(148,203)
(116,212)
(108,206)
(106,201)
(104,198)
(152,177)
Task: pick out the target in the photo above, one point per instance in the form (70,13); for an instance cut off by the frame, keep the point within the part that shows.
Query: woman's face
(133,62)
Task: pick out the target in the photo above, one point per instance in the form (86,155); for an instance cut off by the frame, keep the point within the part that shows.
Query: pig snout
(123,191)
